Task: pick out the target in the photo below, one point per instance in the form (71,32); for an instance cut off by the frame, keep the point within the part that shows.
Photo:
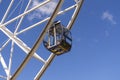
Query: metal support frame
(32,51)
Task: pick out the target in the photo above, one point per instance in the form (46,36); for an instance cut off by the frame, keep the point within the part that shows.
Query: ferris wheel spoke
(9,7)
(18,26)
(27,12)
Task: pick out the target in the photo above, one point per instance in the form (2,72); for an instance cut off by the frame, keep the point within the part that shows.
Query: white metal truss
(31,52)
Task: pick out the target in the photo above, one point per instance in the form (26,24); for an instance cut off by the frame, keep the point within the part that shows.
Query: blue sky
(95,50)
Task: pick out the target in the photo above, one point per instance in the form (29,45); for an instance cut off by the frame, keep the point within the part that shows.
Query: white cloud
(0,1)
(42,11)
(108,16)
(34,15)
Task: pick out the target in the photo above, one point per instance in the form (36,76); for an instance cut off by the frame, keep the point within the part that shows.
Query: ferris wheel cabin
(58,39)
